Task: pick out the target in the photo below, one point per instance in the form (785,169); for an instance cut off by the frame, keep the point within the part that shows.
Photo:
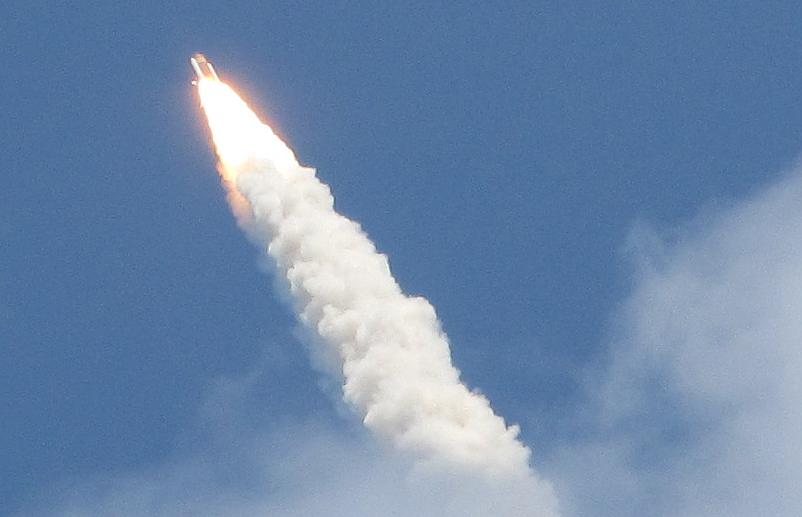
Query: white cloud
(700,410)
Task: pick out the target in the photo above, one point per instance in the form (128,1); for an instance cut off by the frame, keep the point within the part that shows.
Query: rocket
(203,68)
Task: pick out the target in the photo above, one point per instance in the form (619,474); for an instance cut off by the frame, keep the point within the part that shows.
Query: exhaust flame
(389,349)
(239,135)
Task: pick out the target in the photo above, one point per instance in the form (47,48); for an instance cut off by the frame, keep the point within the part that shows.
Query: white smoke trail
(393,356)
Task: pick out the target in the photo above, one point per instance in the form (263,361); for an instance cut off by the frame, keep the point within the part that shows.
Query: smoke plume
(388,348)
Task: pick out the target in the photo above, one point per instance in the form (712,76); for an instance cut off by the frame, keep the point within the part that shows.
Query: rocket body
(203,68)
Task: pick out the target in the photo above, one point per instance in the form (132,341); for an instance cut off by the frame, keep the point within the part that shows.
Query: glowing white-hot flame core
(239,136)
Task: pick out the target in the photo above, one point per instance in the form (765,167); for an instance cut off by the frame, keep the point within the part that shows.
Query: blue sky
(543,174)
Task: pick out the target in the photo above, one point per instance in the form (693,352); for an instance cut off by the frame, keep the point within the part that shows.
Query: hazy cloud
(700,410)
(295,468)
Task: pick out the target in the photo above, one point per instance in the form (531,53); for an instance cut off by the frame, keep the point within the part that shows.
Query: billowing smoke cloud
(388,347)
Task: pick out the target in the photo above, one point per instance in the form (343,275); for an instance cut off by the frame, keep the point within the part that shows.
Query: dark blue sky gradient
(498,155)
